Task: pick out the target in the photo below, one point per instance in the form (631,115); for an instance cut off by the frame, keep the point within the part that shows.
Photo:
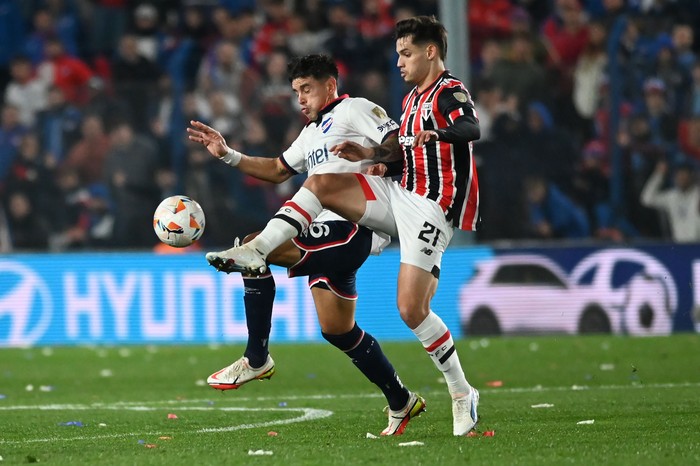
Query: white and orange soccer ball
(178,221)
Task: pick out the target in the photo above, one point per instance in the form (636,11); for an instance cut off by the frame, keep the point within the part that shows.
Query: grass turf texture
(642,394)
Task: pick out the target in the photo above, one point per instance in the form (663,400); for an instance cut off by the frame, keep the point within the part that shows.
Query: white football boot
(240,258)
(233,376)
(464,415)
(398,420)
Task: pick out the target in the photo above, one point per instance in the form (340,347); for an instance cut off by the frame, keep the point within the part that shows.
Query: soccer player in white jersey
(330,249)
(438,191)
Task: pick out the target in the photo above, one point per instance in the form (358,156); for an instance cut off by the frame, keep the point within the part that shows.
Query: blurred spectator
(45,30)
(547,151)
(28,230)
(146,32)
(223,71)
(672,74)
(30,175)
(66,72)
(689,139)
(488,19)
(591,190)
(302,41)
(663,123)
(679,203)
(221,114)
(106,21)
(59,125)
(552,214)
(693,104)
(25,91)
(588,76)
(272,34)
(274,98)
(347,46)
(87,156)
(130,173)
(11,37)
(135,80)
(518,74)
(11,132)
(682,37)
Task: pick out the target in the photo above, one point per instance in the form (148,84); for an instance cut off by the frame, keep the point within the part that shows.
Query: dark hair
(317,66)
(423,30)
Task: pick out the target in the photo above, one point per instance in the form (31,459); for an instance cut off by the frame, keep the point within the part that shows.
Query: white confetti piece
(411,444)
(46,388)
(543,405)
(29,388)
(124,352)
(371,435)
(106,373)
(607,367)
(579,387)
(587,421)
(47,351)
(200,383)
(259,452)
(101,424)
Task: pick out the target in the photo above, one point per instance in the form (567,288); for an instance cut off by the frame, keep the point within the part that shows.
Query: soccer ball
(178,221)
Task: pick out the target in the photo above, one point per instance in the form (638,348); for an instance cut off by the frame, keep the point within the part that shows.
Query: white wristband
(232,157)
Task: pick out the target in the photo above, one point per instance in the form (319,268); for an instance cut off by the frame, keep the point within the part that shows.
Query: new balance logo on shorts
(426,251)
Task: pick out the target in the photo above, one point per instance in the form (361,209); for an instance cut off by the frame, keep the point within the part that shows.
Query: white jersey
(345,119)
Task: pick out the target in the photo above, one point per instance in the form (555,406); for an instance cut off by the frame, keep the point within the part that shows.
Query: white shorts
(418,222)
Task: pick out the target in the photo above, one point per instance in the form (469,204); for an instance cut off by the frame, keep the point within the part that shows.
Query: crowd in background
(96,95)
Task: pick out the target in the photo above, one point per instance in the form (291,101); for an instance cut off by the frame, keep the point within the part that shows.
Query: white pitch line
(308,414)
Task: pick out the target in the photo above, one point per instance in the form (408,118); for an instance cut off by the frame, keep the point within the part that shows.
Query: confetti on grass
(371,435)
(259,452)
(587,421)
(414,443)
(272,433)
(72,424)
(172,416)
(543,405)
(495,383)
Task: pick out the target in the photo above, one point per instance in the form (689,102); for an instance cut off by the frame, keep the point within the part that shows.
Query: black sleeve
(393,168)
(456,106)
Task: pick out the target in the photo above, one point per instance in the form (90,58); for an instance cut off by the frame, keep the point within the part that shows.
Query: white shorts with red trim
(418,222)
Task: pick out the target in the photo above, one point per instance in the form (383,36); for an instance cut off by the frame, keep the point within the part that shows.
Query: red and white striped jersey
(444,172)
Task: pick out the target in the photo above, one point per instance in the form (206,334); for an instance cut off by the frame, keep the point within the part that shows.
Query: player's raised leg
(341,193)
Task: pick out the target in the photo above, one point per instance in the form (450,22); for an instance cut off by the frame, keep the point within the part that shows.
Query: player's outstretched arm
(263,168)
(388,151)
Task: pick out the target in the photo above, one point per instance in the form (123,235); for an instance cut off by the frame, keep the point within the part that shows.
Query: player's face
(413,62)
(313,94)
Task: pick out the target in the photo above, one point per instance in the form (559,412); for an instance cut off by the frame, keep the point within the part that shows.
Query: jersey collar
(331,105)
(432,85)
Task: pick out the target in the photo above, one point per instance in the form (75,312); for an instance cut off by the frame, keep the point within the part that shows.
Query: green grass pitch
(643,395)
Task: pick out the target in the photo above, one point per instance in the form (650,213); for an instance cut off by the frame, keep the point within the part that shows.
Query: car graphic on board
(520,294)
(529,293)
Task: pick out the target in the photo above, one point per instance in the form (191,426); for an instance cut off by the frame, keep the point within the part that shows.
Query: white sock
(293,217)
(437,341)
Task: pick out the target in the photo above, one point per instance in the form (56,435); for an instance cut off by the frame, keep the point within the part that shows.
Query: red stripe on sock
(296,207)
(369,194)
(438,342)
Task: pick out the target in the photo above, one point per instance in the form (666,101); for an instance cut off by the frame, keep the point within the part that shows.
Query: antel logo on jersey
(25,305)
(406,140)
(326,125)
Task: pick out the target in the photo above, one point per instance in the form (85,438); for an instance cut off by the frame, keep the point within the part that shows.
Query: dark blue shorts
(331,254)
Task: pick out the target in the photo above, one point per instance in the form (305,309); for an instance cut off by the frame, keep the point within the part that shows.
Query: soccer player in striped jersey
(331,249)
(438,191)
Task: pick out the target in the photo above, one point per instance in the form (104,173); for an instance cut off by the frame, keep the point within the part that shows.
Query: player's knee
(331,328)
(411,313)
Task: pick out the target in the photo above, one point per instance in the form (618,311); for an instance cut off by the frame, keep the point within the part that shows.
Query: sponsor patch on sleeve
(460,96)
(379,112)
